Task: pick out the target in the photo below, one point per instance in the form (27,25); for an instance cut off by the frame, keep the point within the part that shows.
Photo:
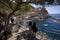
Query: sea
(55,15)
(50,27)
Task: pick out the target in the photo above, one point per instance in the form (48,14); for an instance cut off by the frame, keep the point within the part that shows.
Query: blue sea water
(53,29)
(55,15)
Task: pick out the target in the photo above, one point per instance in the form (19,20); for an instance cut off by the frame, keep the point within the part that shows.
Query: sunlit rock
(15,29)
(10,0)
(24,0)
(20,31)
(27,28)
(27,17)
(22,39)
(38,35)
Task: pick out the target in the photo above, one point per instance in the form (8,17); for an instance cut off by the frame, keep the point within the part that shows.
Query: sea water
(52,29)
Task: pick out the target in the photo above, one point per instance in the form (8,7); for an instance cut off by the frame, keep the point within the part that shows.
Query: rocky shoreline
(22,31)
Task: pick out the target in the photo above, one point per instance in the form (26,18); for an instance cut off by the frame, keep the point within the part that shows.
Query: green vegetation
(25,7)
(2,36)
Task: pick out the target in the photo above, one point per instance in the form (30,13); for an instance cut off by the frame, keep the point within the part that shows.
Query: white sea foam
(56,21)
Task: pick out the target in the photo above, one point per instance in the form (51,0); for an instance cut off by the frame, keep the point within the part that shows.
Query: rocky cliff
(23,32)
(39,12)
(43,13)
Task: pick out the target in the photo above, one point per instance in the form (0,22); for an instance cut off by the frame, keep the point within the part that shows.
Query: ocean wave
(56,21)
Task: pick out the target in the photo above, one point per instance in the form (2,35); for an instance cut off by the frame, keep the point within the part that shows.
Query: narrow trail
(22,29)
(18,29)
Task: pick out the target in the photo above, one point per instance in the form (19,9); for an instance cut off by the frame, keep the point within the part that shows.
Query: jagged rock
(41,36)
(38,12)
(26,35)
(43,12)
(15,28)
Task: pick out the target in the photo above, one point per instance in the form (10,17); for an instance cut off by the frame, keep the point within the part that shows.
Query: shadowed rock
(26,35)
(30,23)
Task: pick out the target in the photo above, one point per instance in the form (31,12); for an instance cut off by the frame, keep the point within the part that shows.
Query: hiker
(34,28)
(12,20)
(30,23)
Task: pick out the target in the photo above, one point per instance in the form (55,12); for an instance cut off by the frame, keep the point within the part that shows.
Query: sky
(51,9)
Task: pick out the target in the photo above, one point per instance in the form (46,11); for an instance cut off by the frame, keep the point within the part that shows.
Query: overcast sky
(50,9)
(53,9)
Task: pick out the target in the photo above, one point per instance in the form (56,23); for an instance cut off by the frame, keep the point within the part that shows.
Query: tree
(9,8)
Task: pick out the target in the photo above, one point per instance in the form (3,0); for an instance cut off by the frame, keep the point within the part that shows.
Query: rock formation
(23,33)
(43,13)
(38,12)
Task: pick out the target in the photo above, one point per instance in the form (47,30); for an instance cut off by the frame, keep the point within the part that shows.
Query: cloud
(51,9)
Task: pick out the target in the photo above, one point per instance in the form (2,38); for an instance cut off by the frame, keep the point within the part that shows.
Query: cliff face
(39,12)
(43,13)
